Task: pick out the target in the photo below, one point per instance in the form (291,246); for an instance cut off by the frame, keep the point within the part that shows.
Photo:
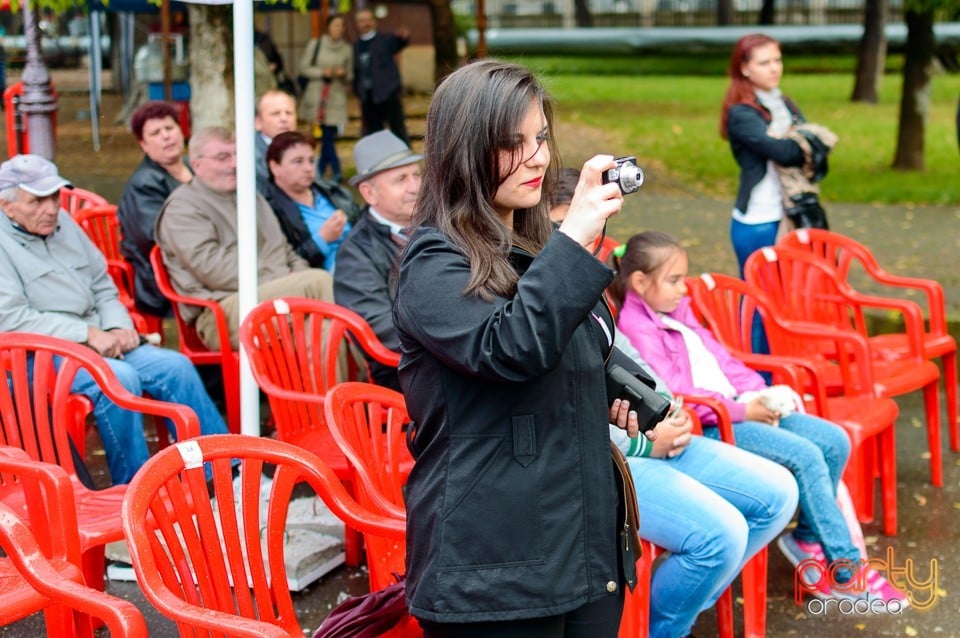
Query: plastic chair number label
(191,454)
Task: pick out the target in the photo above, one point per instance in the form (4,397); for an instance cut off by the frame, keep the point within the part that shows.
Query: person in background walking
(376,78)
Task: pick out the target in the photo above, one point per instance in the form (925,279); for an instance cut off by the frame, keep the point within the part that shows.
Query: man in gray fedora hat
(388,178)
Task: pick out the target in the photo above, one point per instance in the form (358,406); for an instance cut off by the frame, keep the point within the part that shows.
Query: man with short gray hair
(197,232)
(54,281)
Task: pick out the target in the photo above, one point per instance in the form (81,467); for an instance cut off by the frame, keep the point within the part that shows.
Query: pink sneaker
(881,589)
(797,551)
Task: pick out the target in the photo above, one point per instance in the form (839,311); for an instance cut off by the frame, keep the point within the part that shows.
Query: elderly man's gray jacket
(56,285)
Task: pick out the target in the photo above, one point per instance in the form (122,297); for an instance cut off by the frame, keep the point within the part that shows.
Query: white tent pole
(246,199)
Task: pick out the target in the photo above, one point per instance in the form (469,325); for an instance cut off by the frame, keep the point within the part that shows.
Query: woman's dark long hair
(476,115)
(740,90)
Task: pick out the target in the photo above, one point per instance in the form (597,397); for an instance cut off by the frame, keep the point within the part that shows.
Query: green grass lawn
(673,119)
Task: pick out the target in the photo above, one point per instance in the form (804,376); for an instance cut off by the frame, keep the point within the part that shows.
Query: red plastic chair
(727,306)
(803,287)
(18,136)
(73,200)
(296,346)
(41,566)
(847,254)
(369,423)
(38,414)
(103,228)
(187,552)
(193,348)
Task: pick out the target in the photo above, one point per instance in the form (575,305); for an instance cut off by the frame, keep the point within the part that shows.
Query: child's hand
(673,436)
(592,202)
(757,411)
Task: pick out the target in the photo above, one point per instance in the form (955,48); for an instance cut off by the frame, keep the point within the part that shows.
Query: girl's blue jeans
(816,452)
(713,507)
(166,376)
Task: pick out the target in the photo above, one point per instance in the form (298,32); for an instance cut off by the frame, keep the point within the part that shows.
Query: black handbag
(806,211)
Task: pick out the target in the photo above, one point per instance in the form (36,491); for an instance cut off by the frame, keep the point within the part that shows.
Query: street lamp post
(37,102)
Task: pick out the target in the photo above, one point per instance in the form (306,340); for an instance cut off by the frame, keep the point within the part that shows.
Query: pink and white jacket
(664,350)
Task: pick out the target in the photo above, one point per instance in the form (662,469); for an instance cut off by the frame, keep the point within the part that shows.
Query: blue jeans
(815,451)
(747,238)
(328,154)
(713,507)
(166,376)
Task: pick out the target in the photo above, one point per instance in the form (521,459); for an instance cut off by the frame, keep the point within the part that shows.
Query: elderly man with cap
(54,281)
(388,178)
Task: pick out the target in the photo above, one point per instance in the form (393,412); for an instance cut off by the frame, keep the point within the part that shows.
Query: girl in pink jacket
(657,318)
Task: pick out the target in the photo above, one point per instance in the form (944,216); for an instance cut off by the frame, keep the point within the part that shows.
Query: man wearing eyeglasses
(197,232)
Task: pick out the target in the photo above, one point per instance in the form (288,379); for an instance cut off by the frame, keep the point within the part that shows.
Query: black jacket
(512,509)
(384,74)
(752,147)
(365,281)
(293,225)
(143,197)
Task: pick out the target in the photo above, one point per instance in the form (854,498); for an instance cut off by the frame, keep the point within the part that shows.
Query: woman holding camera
(513,507)
(754,118)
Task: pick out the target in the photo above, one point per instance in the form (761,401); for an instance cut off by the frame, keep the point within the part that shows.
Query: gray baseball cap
(378,152)
(34,174)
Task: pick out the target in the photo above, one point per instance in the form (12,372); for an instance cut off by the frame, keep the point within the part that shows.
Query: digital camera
(626,174)
(637,388)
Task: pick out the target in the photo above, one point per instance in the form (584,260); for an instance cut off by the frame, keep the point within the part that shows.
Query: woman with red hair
(755,117)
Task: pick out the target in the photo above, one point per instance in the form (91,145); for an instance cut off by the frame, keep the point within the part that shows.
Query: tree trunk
(581,13)
(725,12)
(767,11)
(872,54)
(211,65)
(444,39)
(915,100)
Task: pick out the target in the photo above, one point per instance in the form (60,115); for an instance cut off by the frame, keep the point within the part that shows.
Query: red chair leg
(888,480)
(725,614)
(950,383)
(94,564)
(754,579)
(931,401)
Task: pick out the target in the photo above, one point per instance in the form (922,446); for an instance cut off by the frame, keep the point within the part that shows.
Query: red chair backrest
(37,408)
(295,346)
(73,200)
(18,135)
(369,423)
(186,551)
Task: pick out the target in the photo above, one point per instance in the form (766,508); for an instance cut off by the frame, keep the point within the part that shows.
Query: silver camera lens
(626,173)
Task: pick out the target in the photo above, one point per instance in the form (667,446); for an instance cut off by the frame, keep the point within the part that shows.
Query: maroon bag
(367,616)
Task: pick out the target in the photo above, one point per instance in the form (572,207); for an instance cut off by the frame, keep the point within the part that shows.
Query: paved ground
(908,239)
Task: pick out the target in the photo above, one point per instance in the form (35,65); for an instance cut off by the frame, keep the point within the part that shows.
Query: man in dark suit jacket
(388,178)
(376,78)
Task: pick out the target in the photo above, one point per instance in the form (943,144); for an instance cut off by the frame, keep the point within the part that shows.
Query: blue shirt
(314,217)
